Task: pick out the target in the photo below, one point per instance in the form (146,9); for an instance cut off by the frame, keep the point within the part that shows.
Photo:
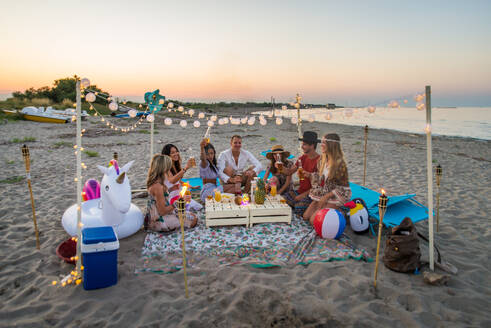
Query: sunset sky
(347,52)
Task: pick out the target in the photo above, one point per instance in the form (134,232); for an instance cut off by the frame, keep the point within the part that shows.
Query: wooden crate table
(271,211)
(225,213)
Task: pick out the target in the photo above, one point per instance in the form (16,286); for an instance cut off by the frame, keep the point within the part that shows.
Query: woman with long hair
(330,185)
(208,170)
(160,214)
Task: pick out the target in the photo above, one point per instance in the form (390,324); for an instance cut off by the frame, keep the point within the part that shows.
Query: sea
(472,122)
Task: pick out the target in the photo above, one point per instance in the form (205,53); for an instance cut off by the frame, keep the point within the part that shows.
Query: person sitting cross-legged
(237,167)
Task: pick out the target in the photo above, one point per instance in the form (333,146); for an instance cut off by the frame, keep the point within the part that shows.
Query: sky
(347,52)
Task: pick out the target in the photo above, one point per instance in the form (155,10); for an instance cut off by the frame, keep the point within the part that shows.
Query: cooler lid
(98,235)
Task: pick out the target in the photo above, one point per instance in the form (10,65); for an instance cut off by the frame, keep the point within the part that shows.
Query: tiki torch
(382,207)
(181,208)
(115,156)
(438,180)
(27,161)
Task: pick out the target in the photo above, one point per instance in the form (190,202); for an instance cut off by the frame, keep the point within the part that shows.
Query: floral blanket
(263,245)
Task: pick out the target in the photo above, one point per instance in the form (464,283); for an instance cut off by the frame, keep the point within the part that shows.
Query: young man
(299,199)
(237,167)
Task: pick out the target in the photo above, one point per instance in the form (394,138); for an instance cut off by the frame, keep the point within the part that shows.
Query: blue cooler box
(99,257)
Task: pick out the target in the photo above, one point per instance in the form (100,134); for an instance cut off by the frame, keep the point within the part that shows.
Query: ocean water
(474,122)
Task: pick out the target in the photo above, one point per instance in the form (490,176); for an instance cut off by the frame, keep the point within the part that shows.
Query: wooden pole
(181,206)
(78,178)
(27,162)
(115,156)
(430,176)
(365,156)
(382,207)
(299,121)
(151,140)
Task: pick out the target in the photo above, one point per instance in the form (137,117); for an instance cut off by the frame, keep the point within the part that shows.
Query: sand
(323,294)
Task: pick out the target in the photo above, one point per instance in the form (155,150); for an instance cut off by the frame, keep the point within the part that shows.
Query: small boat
(40,115)
(49,115)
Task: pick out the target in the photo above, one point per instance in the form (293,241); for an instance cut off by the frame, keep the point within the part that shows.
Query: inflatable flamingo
(113,208)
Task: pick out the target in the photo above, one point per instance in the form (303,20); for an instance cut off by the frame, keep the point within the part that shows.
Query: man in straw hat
(237,167)
(299,199)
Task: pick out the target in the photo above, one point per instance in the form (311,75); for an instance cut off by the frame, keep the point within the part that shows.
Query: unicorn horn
(120,178)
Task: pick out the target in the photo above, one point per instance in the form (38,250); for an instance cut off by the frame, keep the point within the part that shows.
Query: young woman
(160,215)
(208,170)
(280,168)
(330,185)
(176,173)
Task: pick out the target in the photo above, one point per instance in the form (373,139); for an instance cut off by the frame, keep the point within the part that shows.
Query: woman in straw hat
(280,168)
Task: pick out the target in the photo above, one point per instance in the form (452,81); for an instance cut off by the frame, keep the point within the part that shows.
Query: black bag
(402,253)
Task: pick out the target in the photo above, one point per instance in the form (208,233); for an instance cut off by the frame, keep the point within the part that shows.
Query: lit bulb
(283,107)
(328,116)
(201,115)
(420,106)
(371,109)
(54,282)
(183,123)
(348,112)
(297,105)
(311,118)
(85,82)
(210,123)
(170,105)
(419,97)
(279,121)
(168,121)
(243,120)
(214,118)
(113,106)
(405,101)
(161,101)
(294,120)
(132,113)
(270,114)
(191,112)
(428,129)
(180,108)
(150,118)
(196,124)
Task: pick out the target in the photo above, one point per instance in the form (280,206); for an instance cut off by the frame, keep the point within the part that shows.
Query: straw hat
(278,149)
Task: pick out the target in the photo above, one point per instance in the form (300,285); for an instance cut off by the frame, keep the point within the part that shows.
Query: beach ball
(196,124)
(329,223)
(90,97)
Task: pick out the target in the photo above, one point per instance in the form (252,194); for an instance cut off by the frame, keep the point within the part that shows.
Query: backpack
(402,253)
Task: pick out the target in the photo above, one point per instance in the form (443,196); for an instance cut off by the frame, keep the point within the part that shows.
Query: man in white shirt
(237,167)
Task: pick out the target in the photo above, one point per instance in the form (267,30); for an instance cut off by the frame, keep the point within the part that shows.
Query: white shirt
(227,159)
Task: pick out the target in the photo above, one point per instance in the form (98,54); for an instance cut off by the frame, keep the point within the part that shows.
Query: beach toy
(113,208)
(329,223)
(91,190)
(358,215)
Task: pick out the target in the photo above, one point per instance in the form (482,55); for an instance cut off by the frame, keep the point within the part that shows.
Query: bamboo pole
(365,156)
(151,139)
(430,176)
(299,120)
(382,207)
(27,162)
(78,178)
(115,156)
(181,205)
(438,180)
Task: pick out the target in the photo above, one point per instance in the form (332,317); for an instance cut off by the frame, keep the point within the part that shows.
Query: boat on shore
(48,115)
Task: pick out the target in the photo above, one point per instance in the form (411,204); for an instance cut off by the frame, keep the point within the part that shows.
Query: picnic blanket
(263,245)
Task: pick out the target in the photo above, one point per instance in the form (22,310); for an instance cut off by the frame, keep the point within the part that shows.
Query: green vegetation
(272,139)
(14,179)
(25,139)
(144,131)
(91,153)
(357,143)
(60,144)
(10,162)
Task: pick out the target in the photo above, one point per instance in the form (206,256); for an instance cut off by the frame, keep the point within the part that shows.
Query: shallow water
(474,122)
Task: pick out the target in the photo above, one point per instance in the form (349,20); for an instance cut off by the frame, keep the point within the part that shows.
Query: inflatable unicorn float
(107,204)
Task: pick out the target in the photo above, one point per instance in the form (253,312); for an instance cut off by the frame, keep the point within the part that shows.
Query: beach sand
(333,294)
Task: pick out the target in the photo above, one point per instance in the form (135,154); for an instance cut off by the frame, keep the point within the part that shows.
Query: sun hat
(278,149)
(310,137)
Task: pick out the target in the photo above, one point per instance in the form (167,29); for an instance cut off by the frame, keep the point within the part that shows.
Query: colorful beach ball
(329,223)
